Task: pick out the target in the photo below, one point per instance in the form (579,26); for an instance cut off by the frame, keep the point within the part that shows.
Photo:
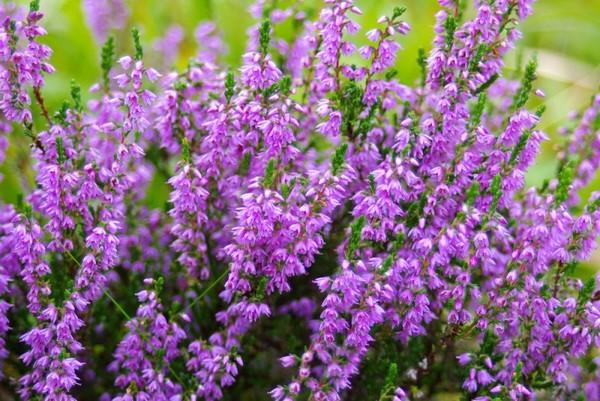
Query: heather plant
(330,233)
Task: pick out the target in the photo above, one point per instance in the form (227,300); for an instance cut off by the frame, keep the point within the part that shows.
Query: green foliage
(264,37)
(472,193)
(450,26)
(283,86)
(422,62)
(260,290)
(350,105)
(60,150)
(519,147)
(490,340)
(287,188)
(387,263)
(107,59)
(482,49)
(485,86)
(391,74)
(414,211)
(158,285)
(60,280)
(565,179)
(245,164)
(139,51)
(34,6)
(229,86)
(522,94)
(24,207)
(269,176)
(372,184)
(76,96)
(390,382)
(355,234)
(477,111)
(585,294)
(517,377)
(496,191)
(185,151)
(540,111)
(593,206)
(339,159)
(366,124)
(398,11)
(399,240)
(61,114)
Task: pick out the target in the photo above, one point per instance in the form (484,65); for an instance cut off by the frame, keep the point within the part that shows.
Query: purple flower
(103,16)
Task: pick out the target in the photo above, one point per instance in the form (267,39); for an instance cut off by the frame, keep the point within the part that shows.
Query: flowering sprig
(380,236)
(151,344)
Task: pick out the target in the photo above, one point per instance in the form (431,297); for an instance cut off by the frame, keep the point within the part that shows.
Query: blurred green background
(565,34)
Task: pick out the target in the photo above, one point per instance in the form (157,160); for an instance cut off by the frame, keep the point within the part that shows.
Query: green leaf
(472,193)
(286,188)
(479,53)
(585,294)
(496,191)
(34,6)
(518,149)
(486,85)
(339,160)
(264,37)
(61,114)
(565,179)
(139,51)
(60,150)
(245,164)
(477,110)
(372,186)
(186,152)
(522,94)
(76,96)
(398,11)
(390,381)
(422,62)
(107,57)
(450,26)
(269,174)
(387,263)
(488,346)
(229,86)
(355,234)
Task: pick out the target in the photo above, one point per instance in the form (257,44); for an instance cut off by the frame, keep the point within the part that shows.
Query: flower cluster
(377,240)
(144,354)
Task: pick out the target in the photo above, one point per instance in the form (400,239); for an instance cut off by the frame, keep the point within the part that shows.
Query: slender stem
(210,287)
(128,317)
(118,305)
(114,301)
(73,257)
(40,100)
(36,141)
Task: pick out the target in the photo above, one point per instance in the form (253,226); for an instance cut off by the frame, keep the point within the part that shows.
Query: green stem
(210,287)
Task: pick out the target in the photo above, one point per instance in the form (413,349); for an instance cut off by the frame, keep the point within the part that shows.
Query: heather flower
(104,16)
(387,229)
(168,46)
(8,269)
(23,64)
(151,344)
(189,200)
